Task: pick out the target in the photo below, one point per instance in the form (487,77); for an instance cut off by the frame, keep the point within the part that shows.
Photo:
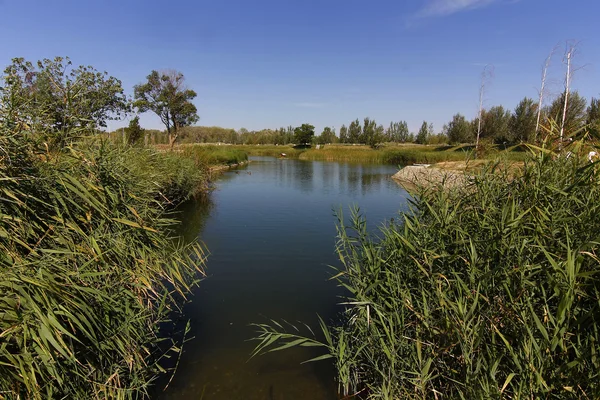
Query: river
(271,232)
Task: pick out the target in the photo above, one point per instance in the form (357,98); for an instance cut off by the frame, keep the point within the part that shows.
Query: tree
(354,132)
(344,134)
(134,131)
(572,117)
(424,133)
(327,136)
(459,130)
(496,125)
(398,132)
(304,134)
(166,95)
(59,102)
(523,122)
(593,118)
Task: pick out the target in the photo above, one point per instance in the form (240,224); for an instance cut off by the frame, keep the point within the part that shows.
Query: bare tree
(542,89)
(486,76)
(569,53)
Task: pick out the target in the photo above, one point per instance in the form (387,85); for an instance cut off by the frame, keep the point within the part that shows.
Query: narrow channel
(271,232)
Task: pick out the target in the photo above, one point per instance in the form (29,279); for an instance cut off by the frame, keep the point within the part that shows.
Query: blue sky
(267,63)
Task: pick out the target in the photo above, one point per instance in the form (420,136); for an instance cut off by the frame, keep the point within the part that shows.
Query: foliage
(496,125)
(304,134)
(207,156)
(523,122)
(88,270)
(459,130)
(424,134)
(327,136)
(576,112)
(485,291)
(165,94)
(593,118)
(57,102)
(134,131)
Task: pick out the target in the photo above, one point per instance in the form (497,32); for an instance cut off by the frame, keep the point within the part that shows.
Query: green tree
(134,131)
(398,132)
(354,132)
(576,112)
(344,134)
(593,118)
(496,125)
(459,130)
(166,95)
(59,102)
(424,134)
(304,134)
(327,136)
(368,132)
(523,121)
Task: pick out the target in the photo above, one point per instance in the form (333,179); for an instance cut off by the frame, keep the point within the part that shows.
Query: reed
(486,291)
(90,273)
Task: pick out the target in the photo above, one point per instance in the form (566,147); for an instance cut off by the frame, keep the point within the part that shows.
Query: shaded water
(270,229)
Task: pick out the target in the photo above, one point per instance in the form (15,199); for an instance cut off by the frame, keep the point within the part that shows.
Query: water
(270,229)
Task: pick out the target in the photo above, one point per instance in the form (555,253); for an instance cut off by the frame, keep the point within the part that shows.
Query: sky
(272,63)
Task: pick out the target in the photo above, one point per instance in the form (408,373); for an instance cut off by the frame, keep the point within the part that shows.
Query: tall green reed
(89,271)
(485,291)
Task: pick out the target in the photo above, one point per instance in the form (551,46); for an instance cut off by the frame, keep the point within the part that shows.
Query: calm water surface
(270,229)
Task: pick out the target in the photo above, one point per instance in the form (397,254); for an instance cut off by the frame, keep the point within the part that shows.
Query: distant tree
(354,132)
(344,134)
(424,134)
(304,134)
(593,118)
(58,101)
(134,131)
(369,134)
(398,132)
(524,120)
(166,94)
(575,116)
(459,130)
(496,125)
(327,136)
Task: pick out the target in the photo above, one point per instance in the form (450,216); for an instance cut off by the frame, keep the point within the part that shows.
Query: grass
(90,273)
(486,291)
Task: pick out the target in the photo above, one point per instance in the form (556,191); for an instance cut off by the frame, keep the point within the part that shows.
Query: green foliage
(398,132)
(424,134)
(593,118)
(485,291)
(576,112)
(523,122)
(207,156)
(496,125)
(166,95)
(355,132)
(459,130)
(304,134)
(327,136)
(134,131)
(57,102)
(88,269)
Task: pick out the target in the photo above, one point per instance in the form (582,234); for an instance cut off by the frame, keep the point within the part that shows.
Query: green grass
(90,273)
(486,291)
(214,155)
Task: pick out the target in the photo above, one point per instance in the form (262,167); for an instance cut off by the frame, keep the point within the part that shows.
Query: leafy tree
(354,132)
(344,134)
(327,136)
(593,118)
(166,95)
(59,102)
(368,132)
(424,133)
(523,121)
(134,131)
(398,132)
(304,134)
(576,112)
(459,130)
(496,125)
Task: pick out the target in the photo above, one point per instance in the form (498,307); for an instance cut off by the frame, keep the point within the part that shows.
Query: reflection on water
(270,231)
